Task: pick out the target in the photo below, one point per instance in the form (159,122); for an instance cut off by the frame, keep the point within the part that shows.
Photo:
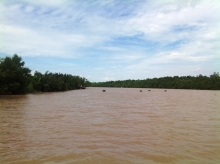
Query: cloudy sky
(106,40)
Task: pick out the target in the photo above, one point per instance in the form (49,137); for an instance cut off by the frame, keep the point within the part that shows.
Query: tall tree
(14,77)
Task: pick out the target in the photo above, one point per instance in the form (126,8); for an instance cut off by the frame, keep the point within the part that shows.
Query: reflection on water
(120,125)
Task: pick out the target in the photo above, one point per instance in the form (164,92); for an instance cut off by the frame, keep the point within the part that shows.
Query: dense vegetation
(185,82)
(17,79)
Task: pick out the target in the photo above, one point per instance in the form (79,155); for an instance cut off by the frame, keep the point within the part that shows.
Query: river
(121,125)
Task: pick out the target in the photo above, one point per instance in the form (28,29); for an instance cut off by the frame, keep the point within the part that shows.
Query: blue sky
(104,40)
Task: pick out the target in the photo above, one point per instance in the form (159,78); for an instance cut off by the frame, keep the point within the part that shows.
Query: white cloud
(134,38)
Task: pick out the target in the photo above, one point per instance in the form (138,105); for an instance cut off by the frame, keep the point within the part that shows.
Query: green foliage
(14,77)
(50,82)
(176,82)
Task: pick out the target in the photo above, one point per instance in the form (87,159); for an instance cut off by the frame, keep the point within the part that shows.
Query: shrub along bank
(17,79)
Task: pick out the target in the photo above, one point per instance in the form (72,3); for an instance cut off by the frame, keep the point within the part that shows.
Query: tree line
(17,79)
(211,82)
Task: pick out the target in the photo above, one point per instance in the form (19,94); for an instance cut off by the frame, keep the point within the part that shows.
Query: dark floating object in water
(103,90)
(140,90)
(165,90)
(81,87)
(148,90)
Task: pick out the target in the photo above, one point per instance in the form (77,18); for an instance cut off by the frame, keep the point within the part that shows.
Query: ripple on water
(119,126)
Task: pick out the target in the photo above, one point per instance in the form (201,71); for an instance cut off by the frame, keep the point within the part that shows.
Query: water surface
(121,125)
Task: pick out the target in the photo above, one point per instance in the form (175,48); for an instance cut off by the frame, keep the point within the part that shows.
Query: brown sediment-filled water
(121,125)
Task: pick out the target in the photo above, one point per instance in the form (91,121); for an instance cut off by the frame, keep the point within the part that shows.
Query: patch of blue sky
(51,64)
(46,12)
(119,9)
(72,66)
(136,40)
(185,27)
(92,51)
(104,56)
(3,55)
(39,64)
(176,44)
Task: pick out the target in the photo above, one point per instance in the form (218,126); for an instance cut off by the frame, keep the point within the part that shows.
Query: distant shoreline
(199,82)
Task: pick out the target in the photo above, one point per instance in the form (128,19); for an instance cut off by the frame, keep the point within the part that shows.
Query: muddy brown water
(121,125)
